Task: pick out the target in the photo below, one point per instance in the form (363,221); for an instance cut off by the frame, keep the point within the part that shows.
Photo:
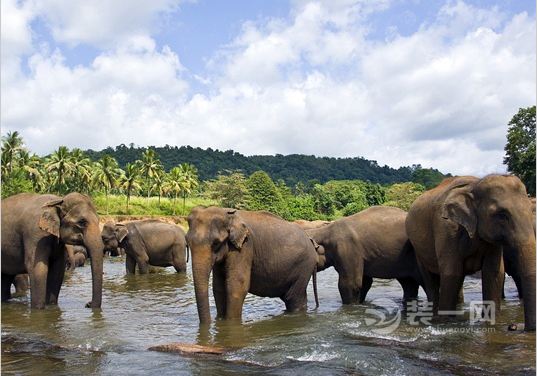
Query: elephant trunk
(201,269)
(95,247)
(526,266)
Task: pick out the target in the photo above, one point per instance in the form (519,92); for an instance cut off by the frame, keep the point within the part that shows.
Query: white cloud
(103,23)
(313,83)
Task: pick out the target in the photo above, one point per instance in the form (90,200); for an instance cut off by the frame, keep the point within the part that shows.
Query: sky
(401,82)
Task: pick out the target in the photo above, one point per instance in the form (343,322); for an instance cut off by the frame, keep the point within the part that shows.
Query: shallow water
(147,310)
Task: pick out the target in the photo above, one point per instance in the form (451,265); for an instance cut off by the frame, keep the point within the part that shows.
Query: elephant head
(496,209)
(112,236)
(73,219)
(213,232)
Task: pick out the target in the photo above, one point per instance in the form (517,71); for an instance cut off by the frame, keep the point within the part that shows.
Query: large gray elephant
(254,252)
(370,244)
(35,229)
(147,242)
(461,227)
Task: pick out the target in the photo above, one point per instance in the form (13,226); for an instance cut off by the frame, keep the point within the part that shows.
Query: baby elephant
(76,256)
(147,242)
(370,244)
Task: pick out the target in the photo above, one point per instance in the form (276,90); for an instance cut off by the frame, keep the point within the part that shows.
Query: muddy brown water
(142,311)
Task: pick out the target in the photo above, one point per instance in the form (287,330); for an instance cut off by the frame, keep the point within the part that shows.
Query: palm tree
(12,144)
(182,179)
(150,168)
(129,180)
(59,165)
(82,171)
(106,174)
(158,184)
(36,173)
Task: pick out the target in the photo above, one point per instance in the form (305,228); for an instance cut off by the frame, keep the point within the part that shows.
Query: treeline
(147,176)
(292,169)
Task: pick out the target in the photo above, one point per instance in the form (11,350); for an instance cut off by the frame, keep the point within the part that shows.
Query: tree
(106,175)
(262,193)
(229,188)
(12,144)
(150,167)
(129,180)
(520,147)
(59,165)
(82,171)
(402,195)
(428,177)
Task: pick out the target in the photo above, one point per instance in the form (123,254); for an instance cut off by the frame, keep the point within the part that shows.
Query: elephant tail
(315,288)
(187,253)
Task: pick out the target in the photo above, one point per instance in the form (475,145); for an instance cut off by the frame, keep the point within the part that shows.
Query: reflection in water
(140,311)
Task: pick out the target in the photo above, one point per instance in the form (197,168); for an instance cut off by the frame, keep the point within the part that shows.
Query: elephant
(76,256)
(306,225)
(147,242)
(462,226)
(21,283)
(370,244)
(35,230)
(509,259)
(248,251)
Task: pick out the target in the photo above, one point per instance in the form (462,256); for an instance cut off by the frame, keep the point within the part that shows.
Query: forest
(171,180)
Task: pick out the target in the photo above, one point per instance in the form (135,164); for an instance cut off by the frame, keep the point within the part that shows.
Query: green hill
(292,168)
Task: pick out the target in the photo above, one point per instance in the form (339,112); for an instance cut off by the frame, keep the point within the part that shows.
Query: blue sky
(400,82)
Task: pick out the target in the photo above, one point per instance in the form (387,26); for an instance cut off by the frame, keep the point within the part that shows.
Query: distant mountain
(292,168)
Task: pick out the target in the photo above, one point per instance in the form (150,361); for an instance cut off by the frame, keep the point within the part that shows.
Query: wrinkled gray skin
(461,227)
(35,229)
(76,256)
(147,242)
(254,252)
(21,283)
(509,259)
(308,225)
(370,244)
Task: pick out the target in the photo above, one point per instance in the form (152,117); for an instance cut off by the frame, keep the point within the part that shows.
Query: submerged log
(188,349)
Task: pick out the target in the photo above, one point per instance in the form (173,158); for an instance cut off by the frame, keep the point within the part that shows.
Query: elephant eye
(502,215)
(82,223)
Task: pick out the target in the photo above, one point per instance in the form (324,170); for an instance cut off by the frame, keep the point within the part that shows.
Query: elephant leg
(7,280)
(21,284)
(219,290)
(366,285)
(55,278)
(296,298)
(350,281)
(38,281)
(450,285)
(518,283)
(410,288)
(143,266)
(431,285)
(460,297)
(179,259)
(493,276)
(130,264)
(238,272)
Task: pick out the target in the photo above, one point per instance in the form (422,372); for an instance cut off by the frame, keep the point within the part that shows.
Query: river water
(146,310)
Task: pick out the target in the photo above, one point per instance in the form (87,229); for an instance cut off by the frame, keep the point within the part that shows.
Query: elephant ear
(50,217)
(459,207)
(238,232)
(121,232)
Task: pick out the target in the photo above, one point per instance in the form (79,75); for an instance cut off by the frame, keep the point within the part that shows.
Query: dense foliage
(520,147)
(289,168)
(147,185)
